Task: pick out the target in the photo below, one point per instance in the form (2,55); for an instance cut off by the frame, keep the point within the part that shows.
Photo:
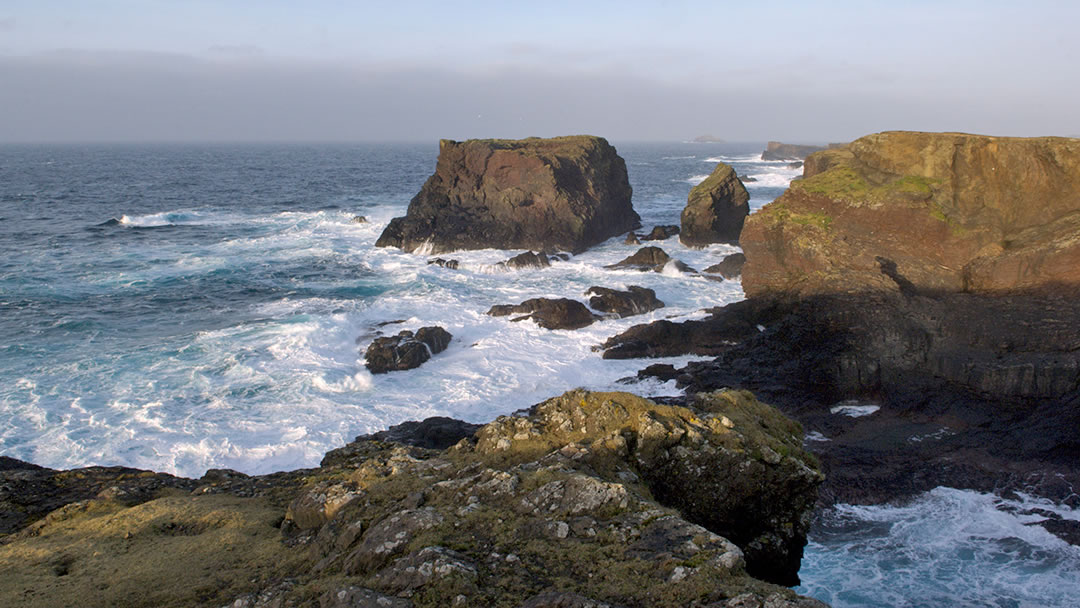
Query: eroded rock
(634,301)
(405,350)
(561,313)
(652,259)
(715,209)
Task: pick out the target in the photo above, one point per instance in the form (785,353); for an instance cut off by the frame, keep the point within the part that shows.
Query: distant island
(707,139)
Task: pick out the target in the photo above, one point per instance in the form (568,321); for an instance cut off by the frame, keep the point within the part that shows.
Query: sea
(183,307)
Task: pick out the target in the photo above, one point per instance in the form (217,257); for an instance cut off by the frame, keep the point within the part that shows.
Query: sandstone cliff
(563,193)
(941,211)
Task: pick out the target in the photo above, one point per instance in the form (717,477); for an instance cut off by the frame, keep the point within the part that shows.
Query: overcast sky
(326,70)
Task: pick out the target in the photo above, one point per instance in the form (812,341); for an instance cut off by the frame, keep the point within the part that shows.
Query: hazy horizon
(162,71)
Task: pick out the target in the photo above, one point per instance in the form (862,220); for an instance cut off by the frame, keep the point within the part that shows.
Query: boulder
(660,233)
(359,219)
(436,432)
(730,267)
(775,150)
(449,264)
(715,209)
(634,301)
(549,313)
(405,350)
(949,212)
(632,238)
(564,193)
(527,259)
(650,258)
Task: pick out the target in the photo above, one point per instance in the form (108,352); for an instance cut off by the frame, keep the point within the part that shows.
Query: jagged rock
(708,337)
(746,179)
(730,267)
(437,433)
(359,219)
(405,350)
(659,233)
(795,165)
(632,238)
(561,313)
(556,507)
(634,301)
(527,259)
(450,264)
(775,150)
(564,193)
(650,258)
(715,209)
(951,212)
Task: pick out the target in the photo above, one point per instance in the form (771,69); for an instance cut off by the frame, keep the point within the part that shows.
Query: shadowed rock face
(405,350)
(634,301)
(947,211)
(715,209)
(549,313)
(564,193)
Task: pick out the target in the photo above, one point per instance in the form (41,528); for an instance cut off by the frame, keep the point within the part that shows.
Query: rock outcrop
(526,259)
(660,233)
(648,259)
(634,301)
(948,212)
(564,193)
(775,150)
(589,499)
(405,350)
(730,267)
(715,209)
(549,313)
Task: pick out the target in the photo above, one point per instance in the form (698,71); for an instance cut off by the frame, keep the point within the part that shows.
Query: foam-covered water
(948,548)
(185,307)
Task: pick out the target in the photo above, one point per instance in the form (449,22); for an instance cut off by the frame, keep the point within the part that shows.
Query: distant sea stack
(715,209)
(708,139)
(944,211)
(563,193)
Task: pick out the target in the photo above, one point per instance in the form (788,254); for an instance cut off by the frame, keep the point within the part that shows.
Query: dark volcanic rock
(436,433)
(634,301)
(660,233)
(775,150)
(527,259)
(564,193)
(715,209)
(405,350)
(561,313)
(359,219)
(730,267)
(650,258)
(450,264)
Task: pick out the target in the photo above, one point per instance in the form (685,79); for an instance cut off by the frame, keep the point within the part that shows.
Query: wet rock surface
(527,259)
(634,301)
(730,267)
(715,209)
(549,313)
(563,193)
(652,259)
(405,351)
(660,233)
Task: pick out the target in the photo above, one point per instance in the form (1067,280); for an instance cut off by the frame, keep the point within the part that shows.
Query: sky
(668,70)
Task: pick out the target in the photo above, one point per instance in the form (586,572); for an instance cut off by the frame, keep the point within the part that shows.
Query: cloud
(77,96)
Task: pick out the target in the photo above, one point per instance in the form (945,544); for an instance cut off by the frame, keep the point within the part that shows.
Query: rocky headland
(563,193)
(929,277)
(587,499)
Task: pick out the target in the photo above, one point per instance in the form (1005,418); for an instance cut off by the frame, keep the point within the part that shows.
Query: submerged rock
(561,313)
(527,259)
(650,258)
(359,219)
(564,193)
(660,233)
(632,238)
(715,209)
(448,264)
(634,301)
(405,350)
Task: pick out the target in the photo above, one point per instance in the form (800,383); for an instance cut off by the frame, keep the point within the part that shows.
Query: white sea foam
(854,409)
(948,548)
(697,179)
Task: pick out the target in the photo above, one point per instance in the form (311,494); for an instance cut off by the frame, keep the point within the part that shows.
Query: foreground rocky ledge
(563,193)
(589,499)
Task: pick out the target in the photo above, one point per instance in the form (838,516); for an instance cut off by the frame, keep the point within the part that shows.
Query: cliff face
(715,209)
(600,499)
(941,211)
(563,193)
(775,150)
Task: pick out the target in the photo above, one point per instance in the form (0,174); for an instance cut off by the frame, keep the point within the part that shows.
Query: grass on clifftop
(844,183)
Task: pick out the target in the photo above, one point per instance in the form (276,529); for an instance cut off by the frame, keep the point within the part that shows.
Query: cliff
(565,193)
(601,499)
(944,211)
(775,150)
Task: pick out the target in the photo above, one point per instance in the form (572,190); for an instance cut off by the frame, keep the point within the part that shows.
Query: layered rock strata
(564,193)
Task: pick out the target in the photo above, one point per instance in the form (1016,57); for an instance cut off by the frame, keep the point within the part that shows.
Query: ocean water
(183,307)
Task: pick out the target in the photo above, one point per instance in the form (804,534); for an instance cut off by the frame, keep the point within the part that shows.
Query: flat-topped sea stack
(715,209)
(564,193)
(775,150)
(929,212)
